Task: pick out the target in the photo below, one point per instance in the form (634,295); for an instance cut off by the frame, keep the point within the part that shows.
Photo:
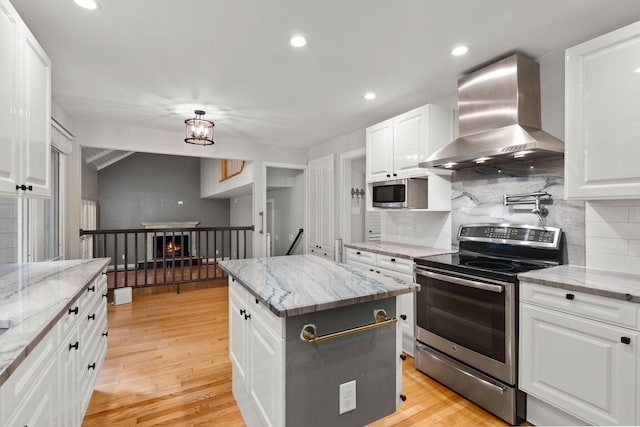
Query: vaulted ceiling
(150,63)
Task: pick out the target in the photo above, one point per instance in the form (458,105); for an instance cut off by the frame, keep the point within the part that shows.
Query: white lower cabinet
(581,365)
(400,268)
(53,385)
(256,350)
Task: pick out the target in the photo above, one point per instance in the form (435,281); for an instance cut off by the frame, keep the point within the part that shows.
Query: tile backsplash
(416,228)
(612,232)
(478,198)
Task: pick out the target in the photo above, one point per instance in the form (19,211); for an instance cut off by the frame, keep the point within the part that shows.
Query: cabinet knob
(91,317)
(377,271)
(570,296)
(358,253)
(403,316)
(247,316)
(403,397)
(371,269)
(625,340)
(72,346)
(91,366)
(403,356)
(388,176)
(395,174)
(73,311)
(257,301)
(393,260)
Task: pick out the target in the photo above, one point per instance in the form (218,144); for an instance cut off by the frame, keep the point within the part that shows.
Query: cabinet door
(579,365)
(379,164)
(68,365)
(405,306)
(10,158)
(602,115)
(266,381)
(237,334)
(410,141)
(326,205)
(37,127)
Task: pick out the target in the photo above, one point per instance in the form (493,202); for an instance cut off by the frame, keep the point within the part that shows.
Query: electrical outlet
(123,257)
(217,252)
(347,397)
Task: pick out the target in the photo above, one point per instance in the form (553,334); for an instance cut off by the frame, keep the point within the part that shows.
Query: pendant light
(199,130)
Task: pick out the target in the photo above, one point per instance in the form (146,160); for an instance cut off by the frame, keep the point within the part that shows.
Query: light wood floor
(167,364)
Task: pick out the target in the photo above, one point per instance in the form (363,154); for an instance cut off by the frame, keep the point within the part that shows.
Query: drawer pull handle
(242,311)
(403,356)
(104,295)
(377,271)
(570,296)
(91,366)
(72,346)
(393,260)
(73,311)
(91,288)
(358,253)
(403,316)
(403,397)
(247,316)
(625,340)
(105,334)
(91,317)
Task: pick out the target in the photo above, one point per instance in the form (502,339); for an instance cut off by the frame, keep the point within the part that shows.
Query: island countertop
(33,297)
(300,284)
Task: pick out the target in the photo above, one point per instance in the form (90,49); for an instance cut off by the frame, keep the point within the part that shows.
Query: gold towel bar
(308,333)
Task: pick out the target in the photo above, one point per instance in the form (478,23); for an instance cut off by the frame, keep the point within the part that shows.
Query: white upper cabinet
(25,109)
(396,146)
(602,131)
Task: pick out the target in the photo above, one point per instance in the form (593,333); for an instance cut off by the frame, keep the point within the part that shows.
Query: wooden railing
(166,256)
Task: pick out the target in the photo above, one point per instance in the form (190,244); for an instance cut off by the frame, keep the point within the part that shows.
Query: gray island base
(279,377)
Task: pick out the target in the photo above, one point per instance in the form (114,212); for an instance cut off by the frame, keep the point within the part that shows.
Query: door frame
(270,223)
(344,168)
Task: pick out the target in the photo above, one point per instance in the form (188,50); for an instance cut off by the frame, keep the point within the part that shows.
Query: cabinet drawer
(361,256)
(592,306)
(403,265)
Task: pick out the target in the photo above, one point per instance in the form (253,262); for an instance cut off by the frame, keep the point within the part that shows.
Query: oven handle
(485,383)
(464,282)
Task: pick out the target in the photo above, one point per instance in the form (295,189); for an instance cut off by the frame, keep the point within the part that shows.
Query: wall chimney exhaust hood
(499,118)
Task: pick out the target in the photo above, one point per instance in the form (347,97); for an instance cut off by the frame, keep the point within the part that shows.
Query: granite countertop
(611,284)
(299,284)
(33,297)
(400,250)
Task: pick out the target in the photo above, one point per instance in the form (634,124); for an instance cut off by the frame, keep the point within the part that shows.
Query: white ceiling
(135,62)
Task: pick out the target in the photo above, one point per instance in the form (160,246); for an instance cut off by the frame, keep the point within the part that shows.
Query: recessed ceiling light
(298,41)
(369,96)
(459,50)
(88,4)
(637,70)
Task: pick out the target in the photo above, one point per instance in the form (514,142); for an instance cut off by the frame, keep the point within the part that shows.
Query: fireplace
(171,246)
(156,246)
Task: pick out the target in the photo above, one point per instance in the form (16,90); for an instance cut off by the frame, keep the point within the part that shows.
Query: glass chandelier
(199,130)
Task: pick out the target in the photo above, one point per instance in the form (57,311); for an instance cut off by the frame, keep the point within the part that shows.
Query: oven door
(471,319)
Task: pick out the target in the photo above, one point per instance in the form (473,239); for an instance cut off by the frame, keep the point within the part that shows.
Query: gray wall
(147,187)
(89,190)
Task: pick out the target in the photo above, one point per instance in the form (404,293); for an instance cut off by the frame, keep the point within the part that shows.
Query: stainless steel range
(467,311)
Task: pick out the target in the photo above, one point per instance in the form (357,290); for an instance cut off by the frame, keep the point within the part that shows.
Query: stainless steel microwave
(409,193)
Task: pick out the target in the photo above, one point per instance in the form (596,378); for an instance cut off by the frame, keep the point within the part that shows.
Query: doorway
(285,209)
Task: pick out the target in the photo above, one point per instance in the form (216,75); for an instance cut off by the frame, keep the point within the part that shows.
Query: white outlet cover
(347,397)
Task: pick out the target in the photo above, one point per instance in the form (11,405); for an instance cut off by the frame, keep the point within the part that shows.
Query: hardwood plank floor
(167,364)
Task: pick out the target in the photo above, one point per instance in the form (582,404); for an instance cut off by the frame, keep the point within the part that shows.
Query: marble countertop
(611,284)
(33,297)
(299,284)
(400,250)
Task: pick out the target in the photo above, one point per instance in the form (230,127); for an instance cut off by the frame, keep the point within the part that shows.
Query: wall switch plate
(347,397)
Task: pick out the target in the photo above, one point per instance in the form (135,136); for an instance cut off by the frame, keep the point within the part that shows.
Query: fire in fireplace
(172,246)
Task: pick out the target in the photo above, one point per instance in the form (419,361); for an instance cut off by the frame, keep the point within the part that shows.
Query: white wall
(288,204)
(357,204)
(612,231)
(240,212)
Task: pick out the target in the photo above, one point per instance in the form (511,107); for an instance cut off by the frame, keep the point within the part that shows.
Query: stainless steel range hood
(499,118)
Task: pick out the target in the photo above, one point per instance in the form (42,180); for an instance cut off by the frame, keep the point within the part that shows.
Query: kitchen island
(313,342)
